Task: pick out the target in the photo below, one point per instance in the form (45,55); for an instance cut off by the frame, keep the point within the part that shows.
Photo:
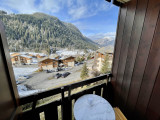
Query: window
(76,37)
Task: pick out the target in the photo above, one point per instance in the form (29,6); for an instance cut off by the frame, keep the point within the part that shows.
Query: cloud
(109,35)
(76,9)
(86,8)
(52,6)
(21,6)
(7,10)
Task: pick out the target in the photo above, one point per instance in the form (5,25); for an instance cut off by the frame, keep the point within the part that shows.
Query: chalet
(15,59)
(100,56)
(25,59)
(47,63)
(68,61)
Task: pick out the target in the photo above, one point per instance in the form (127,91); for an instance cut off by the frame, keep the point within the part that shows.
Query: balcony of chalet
(133,86)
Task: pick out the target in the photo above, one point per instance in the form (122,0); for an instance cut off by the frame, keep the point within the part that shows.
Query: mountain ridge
(105,41)
(40,31)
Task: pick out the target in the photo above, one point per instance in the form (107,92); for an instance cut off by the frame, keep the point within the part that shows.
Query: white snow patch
(23,71)
(69,53)
(23,91)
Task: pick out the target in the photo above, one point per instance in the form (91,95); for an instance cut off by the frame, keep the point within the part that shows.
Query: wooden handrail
(44,94)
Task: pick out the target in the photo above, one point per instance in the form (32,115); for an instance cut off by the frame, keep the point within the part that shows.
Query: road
(43,80)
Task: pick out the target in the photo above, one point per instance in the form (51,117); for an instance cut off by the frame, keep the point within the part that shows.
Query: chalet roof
(53,56)
(107,49)
(42,59)
(26,56)
(14,54)
(45,58)
(65,57)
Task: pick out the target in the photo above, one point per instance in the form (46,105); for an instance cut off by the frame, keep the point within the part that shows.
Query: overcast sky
(94,18)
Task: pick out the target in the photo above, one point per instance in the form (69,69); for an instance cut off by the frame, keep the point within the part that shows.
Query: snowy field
(23,71)
(22,89)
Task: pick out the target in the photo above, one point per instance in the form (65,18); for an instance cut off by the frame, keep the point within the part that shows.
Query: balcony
(62,106)
(135,82)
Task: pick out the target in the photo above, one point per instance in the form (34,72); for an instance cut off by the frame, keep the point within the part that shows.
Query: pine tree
(105,65)
(89,57)
(48,50)
(84,72)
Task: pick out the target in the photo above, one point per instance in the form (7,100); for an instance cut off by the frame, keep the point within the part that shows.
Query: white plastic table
(93,107)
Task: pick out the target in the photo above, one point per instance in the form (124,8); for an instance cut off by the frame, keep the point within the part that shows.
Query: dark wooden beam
(108,0)
(115,2)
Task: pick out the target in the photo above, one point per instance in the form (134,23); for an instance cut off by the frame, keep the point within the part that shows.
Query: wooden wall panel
(125,44)
(153,111)
(137,58)
(133,47)
(150,74)
(6,100)
(8,89)
(121,21)
(143,52)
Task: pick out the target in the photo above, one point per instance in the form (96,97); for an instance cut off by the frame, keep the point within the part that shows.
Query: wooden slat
(121,21)
(109,94)
(119,115)
(25,115)
(67,109)
(40,95)
(51,113)
(143,51)
(86,82)
(124,47)
(30,115)
(150,74)
(79,94)
(98,91)
(153,110)
(133,47)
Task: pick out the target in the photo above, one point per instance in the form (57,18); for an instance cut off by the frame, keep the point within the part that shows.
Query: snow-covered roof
(69,52)
(65,57)
(14,54)
(53,56)
(33,53)
(44,58)
(26,56)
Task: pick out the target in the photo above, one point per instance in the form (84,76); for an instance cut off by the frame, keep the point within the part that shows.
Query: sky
(95,18)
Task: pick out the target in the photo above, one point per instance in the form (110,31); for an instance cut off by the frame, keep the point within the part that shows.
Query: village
(61,68)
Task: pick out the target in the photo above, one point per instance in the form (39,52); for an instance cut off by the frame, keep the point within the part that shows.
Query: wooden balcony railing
(64,103)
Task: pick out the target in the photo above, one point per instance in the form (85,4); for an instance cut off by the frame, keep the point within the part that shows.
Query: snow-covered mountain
(105,41)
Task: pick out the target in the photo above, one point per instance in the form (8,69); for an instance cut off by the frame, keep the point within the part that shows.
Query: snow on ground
(70,53)
(33,53)
(34,61)
(23,71)
(23,91)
